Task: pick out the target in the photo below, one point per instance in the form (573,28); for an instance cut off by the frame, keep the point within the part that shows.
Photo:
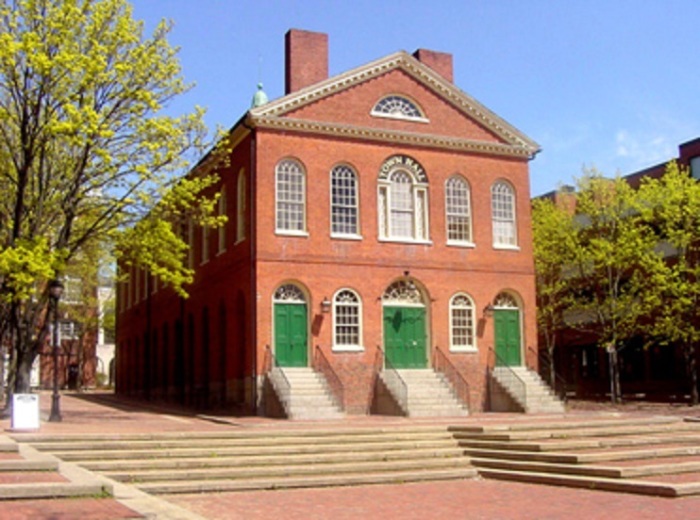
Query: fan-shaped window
(289,293)
(291,197)
(398,107)
(344,211)
(503,215)
(461,323)
(402,292)
(505,301)
(458,209)
(347,320)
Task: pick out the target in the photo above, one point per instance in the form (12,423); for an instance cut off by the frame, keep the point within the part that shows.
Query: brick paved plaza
(472,499)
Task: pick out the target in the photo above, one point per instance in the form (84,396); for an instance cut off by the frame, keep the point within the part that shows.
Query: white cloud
(644,149)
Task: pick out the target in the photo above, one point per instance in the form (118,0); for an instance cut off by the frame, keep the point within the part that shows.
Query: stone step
(607,484)
(214,451)
(284,470)
(263,460)
(566,424)
(308,482)
(260,439)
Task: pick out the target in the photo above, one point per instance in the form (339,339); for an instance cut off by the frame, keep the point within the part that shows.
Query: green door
(291,334)
(404,337)
(507,329)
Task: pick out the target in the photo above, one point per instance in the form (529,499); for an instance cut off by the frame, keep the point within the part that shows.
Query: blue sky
(610,84)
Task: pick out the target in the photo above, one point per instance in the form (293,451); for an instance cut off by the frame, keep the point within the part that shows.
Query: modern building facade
(377,219)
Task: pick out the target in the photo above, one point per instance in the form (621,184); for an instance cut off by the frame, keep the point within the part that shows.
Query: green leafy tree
(88,154)
(554,239)
(613,256)
(672,209)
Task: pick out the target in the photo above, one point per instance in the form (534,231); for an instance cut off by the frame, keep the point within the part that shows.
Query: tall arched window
(503,215)
(347,321)
(462,323)
(222,228)
(290,185)
(344,211)
(403,203)
(240,206)
(458,210)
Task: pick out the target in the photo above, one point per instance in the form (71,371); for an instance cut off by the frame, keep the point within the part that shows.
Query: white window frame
(420,221)
(458,209)
(343,173)
(284,200)
(470,327)
(241,206)
(221,242)
(503,216)
(347,347)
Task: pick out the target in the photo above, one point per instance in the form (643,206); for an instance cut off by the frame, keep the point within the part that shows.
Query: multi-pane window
(397,107)
(346,320)
(205,244)
(240,207)
(403,208)
(344,213)
(503,215)
(457,207)
(290,196)
(461,323)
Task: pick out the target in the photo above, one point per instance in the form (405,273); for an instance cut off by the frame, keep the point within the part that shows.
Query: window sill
(406,241)
(506,247)
(348,348)
(283,233)
(400,117)
(335,236)
(239,241)
(464,350)
(456,243)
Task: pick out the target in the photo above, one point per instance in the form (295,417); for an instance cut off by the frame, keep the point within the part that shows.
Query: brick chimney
(306,55)
(440,62)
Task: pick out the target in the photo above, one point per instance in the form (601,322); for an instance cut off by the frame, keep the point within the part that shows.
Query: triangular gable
(280,113)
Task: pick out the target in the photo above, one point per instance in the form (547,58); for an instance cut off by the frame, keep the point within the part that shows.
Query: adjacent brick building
(379,216)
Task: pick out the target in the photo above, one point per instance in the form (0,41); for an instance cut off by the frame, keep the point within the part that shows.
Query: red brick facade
(210,349)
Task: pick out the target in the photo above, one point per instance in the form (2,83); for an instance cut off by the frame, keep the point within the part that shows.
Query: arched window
(222,228)
(458,210)
(403,207)
(462,323)
(503,215)
(289,293)
(398,107)
(505,300)
(344,211)
(347,321)
(290,184)
(240,206)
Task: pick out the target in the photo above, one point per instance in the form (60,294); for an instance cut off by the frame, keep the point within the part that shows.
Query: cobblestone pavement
(468,499)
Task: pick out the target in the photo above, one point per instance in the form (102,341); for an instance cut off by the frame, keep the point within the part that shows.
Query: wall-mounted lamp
(325,305)
(488,310)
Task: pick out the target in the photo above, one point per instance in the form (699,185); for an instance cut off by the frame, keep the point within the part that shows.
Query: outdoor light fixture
(325,305)
(488,310)
(55,292)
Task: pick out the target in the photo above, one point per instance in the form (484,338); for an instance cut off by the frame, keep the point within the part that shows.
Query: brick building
(377,220)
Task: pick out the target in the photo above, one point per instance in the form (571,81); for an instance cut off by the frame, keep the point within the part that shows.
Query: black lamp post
(55,292)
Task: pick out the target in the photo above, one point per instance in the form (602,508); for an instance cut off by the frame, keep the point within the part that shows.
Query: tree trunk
(23,373)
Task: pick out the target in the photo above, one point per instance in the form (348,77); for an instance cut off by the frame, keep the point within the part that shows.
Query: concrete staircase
(426,393)
(652,456)
(520,388)
(303,394)
(262,459)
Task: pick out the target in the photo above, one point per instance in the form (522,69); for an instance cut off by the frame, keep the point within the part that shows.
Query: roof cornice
(391,136)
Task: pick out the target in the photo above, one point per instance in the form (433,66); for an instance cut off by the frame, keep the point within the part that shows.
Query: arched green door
(291,334)
(404,337)
(507,336)
(291,327)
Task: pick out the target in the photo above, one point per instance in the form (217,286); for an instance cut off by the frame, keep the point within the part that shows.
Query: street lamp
(55,292)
